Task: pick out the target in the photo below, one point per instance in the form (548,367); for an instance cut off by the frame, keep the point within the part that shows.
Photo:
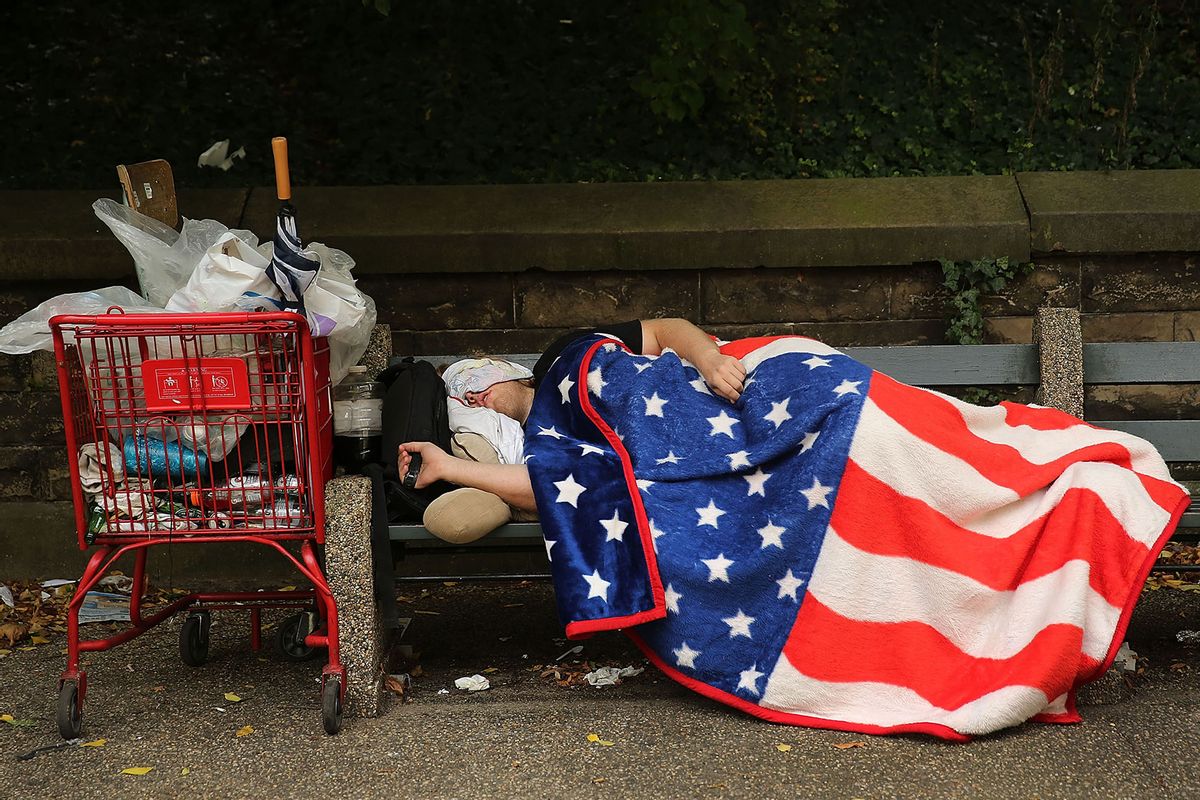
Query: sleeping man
(485,443)
(784,529)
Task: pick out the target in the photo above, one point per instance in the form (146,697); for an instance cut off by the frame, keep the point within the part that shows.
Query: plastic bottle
(357,420)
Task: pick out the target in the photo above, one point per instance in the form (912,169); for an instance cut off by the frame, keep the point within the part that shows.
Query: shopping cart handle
(414,467)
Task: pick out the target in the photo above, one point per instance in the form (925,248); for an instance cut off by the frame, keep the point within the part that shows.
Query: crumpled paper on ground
(473,683)
(1126,658)
(611,676)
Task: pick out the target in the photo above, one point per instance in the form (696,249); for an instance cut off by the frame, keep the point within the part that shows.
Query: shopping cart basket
(198,429)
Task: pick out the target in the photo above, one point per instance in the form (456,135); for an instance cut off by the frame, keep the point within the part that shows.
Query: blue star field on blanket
(837,549)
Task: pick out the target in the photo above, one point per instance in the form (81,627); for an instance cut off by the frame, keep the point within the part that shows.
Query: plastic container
(357,420)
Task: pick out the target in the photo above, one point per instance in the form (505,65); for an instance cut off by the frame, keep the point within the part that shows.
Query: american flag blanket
(838,549)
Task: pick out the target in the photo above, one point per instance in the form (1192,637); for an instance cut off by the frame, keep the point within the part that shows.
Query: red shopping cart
(198,429)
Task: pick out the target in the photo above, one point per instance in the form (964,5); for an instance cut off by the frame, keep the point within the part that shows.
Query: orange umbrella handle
(283,181)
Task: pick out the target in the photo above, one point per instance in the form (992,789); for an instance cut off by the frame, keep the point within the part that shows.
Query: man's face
(503,398)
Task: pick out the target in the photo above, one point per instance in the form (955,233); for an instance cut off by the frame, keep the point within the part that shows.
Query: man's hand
(433,462)
(724,374)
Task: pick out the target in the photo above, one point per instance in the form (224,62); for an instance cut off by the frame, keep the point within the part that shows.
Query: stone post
(349,568)
(1059,336)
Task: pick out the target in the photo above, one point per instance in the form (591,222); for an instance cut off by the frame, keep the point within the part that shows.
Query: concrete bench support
(1059,337)
(349,569)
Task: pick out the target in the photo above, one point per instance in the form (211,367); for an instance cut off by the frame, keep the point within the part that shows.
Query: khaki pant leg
(466,514)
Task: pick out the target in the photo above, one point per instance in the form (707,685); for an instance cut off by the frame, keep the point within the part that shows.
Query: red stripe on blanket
(938,422)
(923,660)
(1042,419)
(784,717)
(1080,526)
(743,347)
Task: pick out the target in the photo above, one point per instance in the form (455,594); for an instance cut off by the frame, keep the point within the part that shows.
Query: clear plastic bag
(31,330)
(163,258)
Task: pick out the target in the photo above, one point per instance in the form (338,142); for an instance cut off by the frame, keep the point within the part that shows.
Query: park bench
(1050,371)
(922,365)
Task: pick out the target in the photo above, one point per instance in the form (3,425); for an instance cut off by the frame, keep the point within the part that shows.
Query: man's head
(502,386)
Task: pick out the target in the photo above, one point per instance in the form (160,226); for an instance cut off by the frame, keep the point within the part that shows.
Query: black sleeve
(628,332)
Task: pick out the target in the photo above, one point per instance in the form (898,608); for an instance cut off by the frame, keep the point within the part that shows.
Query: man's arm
(510,482)
(724,374)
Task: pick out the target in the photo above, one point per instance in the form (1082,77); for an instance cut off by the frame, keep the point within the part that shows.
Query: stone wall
(478,269)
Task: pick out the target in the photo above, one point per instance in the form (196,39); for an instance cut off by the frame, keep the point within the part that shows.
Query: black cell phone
(414,468)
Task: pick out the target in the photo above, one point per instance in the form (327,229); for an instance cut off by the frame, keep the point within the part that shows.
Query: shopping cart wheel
(70,713)
(331,705)
(193,638)
(291,634)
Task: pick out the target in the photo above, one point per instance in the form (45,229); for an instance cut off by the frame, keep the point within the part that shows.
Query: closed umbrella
(292,269)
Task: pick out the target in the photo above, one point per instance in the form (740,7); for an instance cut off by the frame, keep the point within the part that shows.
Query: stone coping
(50,235)
(1134,211)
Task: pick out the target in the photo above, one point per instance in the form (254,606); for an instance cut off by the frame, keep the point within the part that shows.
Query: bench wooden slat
(954,364)
(1176,439)
(1141,362)
(927,365)
(513,533)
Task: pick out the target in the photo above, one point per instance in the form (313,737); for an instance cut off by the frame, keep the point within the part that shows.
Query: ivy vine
(968,283)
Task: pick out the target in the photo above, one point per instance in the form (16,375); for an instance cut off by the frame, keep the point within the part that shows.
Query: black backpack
(414,410)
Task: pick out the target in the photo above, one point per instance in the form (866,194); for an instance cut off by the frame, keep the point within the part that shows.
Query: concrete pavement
(527,736)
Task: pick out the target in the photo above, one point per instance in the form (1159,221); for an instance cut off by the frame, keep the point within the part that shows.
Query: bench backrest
(1149,363)
(1124,363)
(922,365)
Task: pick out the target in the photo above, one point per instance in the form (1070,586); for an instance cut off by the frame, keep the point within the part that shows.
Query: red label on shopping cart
(174,383)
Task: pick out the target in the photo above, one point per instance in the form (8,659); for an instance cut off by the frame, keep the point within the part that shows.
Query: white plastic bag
(229,269)
(334,307)
(333,298)
(163,258)
(31,330)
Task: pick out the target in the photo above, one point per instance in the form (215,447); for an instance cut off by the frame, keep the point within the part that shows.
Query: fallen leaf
(233,698)
(17,723)
(39,640)
(449,583)
(491,669)
(783,748)
(286,589)
(393,685)
(136,770)
(94,743)
(431,613)
(13,631)
(245,730)
(185,771)
(848,745)
(598,781)
(591,737)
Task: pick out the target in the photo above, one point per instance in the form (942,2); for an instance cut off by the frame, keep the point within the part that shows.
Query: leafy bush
(462,91)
